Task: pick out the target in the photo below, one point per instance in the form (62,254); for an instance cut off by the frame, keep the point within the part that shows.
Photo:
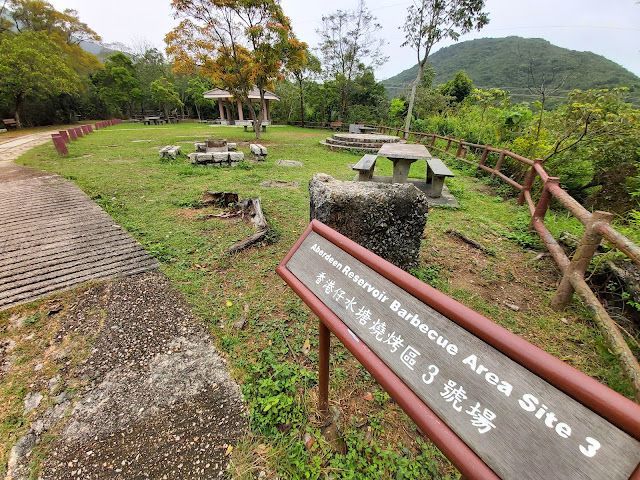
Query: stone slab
(409,151)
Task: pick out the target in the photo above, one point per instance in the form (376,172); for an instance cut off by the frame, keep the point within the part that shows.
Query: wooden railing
(597,227)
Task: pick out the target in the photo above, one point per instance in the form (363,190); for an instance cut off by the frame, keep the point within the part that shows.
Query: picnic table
(155,120)
(365,129)
(403,155)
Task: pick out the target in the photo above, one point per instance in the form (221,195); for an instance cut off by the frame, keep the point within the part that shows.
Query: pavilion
(232,111)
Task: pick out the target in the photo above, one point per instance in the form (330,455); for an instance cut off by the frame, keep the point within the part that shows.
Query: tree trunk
(18,114)
(412,99)
(256,127)
(198,111)
(301,102)
(542,102)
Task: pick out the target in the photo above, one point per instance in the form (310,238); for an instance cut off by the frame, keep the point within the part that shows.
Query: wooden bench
(10,123)
(437,172)
(365,167)
(335,126)
(170,151)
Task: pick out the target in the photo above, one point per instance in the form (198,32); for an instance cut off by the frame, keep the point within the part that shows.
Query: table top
(407,151)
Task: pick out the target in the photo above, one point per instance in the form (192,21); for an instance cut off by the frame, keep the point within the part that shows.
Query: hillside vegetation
(504,63)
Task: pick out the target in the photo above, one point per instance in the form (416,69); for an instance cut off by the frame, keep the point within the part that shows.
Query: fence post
(323,369)
(499,163)
(587,247)
(529,178)
(460,147)
(545,198)
(448,144)
(433,139)
(485,155)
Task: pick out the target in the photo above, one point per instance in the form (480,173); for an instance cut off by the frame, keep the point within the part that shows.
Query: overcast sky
(610,28)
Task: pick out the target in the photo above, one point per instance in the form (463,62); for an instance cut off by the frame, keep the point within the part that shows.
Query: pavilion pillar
(265,110)
(221,109)
(240,113)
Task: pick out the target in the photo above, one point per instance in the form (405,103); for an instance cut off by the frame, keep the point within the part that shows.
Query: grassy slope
(153,200)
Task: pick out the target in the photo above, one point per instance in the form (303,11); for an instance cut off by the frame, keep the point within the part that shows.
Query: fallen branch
(468,241)
(249,241)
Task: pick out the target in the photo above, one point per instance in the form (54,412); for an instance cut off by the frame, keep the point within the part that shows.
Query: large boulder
(388,219)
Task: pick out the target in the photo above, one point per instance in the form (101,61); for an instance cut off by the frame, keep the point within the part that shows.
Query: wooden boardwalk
(52,237)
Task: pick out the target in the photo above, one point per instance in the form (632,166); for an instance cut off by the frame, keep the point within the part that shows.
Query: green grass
(154,201)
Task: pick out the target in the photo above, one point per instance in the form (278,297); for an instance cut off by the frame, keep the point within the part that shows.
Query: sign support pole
(323,369)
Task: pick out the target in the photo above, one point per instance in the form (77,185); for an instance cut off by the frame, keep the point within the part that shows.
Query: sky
(610,28)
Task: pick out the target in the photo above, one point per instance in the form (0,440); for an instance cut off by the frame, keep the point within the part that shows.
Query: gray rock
(289,163)
(232,147)
(388,219)
(31,401)
(236,156)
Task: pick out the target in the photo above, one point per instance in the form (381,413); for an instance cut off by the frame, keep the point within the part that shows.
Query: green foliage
(164,93)
(397,109)
(459,87)
(431,275)
(368,460)
(32,66)
(117,84)
(271,393)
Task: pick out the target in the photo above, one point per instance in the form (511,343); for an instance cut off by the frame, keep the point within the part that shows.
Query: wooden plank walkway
(52,237)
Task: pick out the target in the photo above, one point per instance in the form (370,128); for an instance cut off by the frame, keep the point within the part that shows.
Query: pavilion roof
(254,94)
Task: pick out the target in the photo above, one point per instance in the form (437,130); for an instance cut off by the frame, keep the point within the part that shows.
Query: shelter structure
(232,111)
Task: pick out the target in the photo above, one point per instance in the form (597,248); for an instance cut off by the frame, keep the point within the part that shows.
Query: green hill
(504,63)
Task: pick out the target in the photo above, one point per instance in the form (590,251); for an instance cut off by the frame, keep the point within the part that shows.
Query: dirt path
(149,396)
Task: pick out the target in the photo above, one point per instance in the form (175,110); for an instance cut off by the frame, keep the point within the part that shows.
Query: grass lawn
(274,355)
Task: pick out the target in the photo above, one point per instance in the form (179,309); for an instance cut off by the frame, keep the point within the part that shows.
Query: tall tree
(150,65)
(239,44)
(164,93)
(33,66)
(430,21)
(117,83)
(349,45)
(303,66)
(196,88)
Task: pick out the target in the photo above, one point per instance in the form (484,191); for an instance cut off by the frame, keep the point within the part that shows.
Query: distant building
(232,110)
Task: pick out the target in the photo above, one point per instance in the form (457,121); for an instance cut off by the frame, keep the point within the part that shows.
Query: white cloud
(609,28)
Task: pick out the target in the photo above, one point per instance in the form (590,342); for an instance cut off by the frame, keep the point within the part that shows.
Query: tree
(117,83)
(164,93)
(303,66)
(595,147)
(238,44)
(485,98)
(31,65)
(196,87)
(149,65)
(349,46)
(458,88)
(428,22)
(543,85)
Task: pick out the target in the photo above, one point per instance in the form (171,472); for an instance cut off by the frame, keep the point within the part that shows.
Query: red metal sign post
(620,412)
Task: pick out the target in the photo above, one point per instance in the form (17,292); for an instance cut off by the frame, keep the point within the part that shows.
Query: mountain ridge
(504,63)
